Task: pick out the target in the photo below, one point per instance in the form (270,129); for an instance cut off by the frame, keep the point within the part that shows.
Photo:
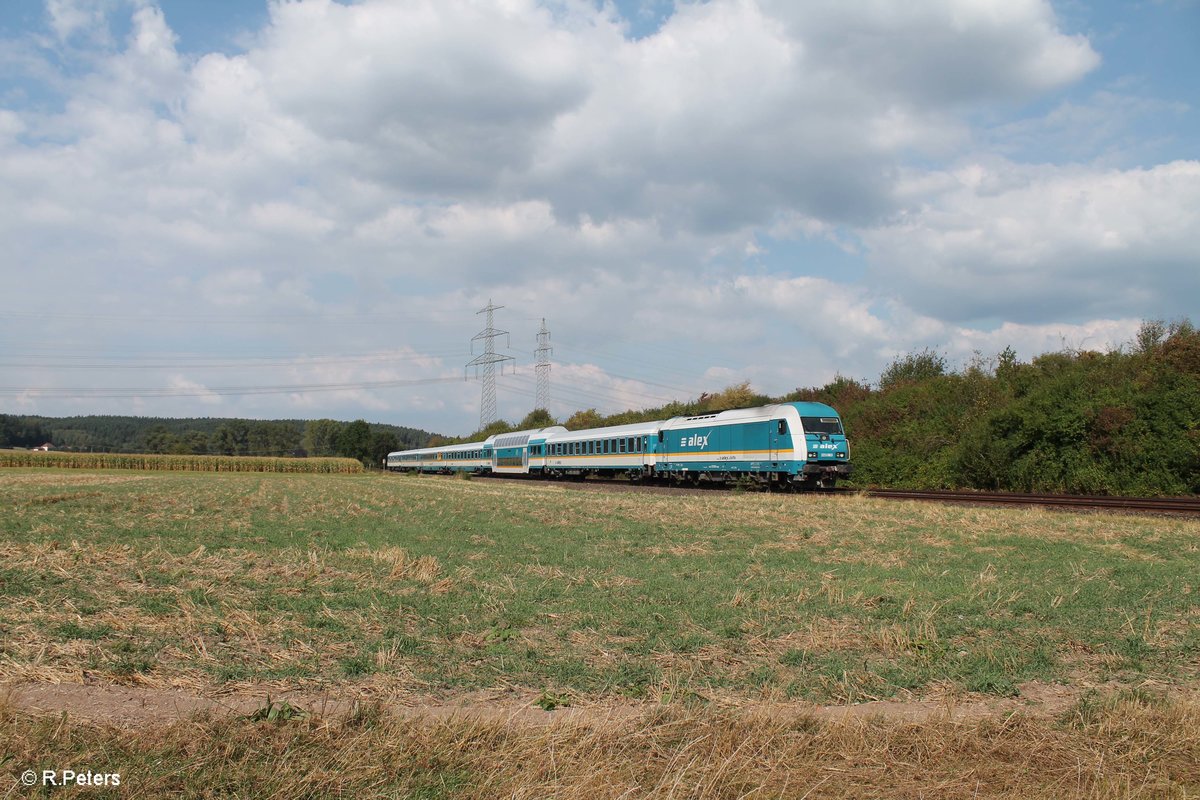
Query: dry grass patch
(1113,748)
(402,566)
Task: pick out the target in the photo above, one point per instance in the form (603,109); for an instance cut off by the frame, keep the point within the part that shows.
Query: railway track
(1175,506)
(1188,506)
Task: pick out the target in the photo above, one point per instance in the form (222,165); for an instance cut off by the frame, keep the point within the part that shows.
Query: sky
(296,209)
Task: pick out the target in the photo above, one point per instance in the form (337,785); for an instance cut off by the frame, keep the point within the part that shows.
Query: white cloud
(1032,244)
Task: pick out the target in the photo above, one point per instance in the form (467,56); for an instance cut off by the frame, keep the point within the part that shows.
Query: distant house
(45,447)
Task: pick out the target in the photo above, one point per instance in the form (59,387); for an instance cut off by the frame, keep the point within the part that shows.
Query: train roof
(814,409)
(735,415)
(445,448)
(634,429)
(519,438)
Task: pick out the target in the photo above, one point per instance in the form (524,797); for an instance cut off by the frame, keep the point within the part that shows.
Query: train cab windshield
(830,425)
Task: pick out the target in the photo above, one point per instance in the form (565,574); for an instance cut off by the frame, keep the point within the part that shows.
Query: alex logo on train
(695,440)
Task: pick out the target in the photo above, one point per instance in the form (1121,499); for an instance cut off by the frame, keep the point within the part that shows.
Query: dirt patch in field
(136,706)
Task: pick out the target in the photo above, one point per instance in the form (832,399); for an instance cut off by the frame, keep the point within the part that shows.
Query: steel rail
(1160,505)
(1182,506)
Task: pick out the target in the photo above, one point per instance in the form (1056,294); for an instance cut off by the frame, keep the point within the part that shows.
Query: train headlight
(841,455)
(812,454)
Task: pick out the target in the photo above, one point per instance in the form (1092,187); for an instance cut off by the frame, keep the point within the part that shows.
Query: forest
(368,442)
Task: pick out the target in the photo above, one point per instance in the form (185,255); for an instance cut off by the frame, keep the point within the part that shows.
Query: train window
(629,445)
(591,448)
(831,425)
(661,436)
(637,443)
(621,445)
(782,427)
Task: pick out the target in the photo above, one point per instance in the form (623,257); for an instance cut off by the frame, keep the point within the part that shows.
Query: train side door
(781,440)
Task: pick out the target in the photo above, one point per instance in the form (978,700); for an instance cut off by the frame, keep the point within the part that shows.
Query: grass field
(416,590)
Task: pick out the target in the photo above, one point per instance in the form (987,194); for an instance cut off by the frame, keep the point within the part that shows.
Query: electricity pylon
(542,396)
(488,361)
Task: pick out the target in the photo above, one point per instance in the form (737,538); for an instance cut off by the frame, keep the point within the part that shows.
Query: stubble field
(476,639)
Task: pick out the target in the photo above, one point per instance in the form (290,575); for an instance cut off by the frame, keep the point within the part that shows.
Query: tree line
(368,442)
(1074,421)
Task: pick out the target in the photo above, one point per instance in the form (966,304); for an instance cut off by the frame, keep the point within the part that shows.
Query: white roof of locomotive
(760,413)
(614,431)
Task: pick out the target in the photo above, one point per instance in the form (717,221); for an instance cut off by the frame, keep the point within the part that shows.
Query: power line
(224,391)
(251,318)
(244,363)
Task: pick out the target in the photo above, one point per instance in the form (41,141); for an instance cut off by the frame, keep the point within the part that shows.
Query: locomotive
(787,444)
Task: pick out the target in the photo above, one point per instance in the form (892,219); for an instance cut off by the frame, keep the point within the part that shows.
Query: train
(799,445)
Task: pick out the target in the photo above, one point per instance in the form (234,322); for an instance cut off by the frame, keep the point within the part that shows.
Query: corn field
(183,463)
